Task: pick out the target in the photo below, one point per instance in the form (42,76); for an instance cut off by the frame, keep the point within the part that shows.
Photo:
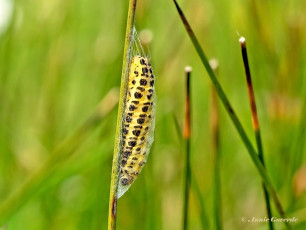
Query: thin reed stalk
(197,191)
(57,157)
(233,116)
(186,136)
(194,185)
(255,122)
(214,126)
(112,213)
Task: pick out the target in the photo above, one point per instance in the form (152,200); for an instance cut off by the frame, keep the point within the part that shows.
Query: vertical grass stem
(112,214)
(186,135)
(255,122)
(214,123)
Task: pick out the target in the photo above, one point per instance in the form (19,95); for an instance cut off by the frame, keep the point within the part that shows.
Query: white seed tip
(188,69)
(242,40)
(146,36)
(214,63)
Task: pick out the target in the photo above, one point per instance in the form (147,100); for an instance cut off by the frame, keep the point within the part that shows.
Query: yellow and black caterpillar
(138,124)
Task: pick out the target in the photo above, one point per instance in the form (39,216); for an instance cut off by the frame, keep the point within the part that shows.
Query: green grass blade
(112,213)
(203,214)
(194,185)
(214,123)
(232,114)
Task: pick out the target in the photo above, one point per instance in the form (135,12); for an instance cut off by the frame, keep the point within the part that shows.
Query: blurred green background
(58,60)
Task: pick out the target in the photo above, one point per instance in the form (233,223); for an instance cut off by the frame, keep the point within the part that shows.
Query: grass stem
(203,215)
(232,114)
(186,135)
(112,214)
(194,184)
(214,123)
(255,122)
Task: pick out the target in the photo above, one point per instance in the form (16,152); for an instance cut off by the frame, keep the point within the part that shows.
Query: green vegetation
(128,45)
(59,59)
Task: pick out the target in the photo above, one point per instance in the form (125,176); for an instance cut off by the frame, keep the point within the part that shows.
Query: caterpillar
(138,122)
